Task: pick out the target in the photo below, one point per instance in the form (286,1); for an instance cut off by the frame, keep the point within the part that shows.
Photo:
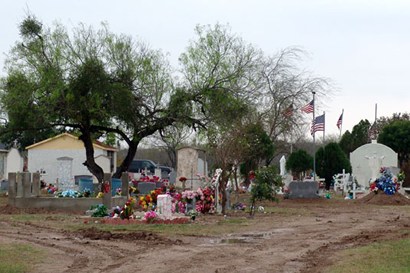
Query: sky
(361,47)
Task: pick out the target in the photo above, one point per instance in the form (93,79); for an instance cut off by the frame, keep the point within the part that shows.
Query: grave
(164,206)
(303,189)
(367,160)
(146,187)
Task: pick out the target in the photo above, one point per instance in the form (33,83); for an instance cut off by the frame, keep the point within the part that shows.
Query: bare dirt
(306,240)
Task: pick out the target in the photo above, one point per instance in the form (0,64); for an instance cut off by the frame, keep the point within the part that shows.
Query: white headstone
(157,172)
(164,206)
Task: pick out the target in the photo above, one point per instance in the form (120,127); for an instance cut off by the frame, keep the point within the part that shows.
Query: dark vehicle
(165,171)
(139,165)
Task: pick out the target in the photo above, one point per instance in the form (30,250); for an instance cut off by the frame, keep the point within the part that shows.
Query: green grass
(18,258)
(392,257)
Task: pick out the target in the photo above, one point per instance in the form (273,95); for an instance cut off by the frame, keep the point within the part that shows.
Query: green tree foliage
(396,135)
(258,146)
(219,71)
(331,160)
(299,162)
(358,137)
(383,121)
(267,182)
(91,81)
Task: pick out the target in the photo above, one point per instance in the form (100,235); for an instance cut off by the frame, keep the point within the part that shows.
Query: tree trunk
(93,167)
(132,150)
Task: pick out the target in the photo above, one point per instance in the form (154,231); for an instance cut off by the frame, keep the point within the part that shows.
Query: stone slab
(299,189)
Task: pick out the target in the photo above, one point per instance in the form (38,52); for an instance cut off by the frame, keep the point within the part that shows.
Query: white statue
(282,163)
(375,163)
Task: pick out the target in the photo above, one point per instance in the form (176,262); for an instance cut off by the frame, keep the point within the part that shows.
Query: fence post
(12,188)
(26,184)
(124,184)
(36,185)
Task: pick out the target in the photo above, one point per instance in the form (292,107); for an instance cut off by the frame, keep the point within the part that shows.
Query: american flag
(308,108)
(339,121)
(288,112)
(318,124)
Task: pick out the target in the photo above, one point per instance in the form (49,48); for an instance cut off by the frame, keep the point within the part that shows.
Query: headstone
(299,189)
(157,172)
(164,206)
(146,187)
(172,177)
(4,185)
(367,160)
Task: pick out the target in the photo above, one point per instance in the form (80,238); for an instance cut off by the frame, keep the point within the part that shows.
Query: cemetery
(76,196)
(345,216)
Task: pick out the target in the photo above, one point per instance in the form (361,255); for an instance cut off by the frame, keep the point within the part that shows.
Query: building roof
(96,143)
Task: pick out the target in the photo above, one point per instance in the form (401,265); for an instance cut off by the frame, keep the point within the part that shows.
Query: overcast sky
(363,47)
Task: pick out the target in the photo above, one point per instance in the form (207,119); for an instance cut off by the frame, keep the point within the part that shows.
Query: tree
(331,160)
(284,88)
(346,143)
(358,137)
(396,135)
(267,181)
(94,82)
(299,162)
(170,139)
(257,146)
(219,71)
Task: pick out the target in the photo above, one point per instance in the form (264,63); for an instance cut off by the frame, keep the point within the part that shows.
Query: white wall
(47,160)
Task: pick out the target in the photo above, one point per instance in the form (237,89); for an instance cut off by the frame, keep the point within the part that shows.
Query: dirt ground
(277,242)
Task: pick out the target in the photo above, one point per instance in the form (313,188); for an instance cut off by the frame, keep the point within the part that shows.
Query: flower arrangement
(106,187)
(127,210)
(188,196)
(147,178)
(182,179)
(150,200)
(386,183)
(150,216)
(192,214)
(51,189)
(118,192)
(133,190)
(239,206)
(100,195)
(205,200)
(99,210)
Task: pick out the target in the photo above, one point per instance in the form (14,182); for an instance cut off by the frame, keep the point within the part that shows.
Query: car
(139,165)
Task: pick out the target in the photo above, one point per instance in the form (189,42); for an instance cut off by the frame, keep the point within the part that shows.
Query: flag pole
(314,140)
(341,125)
